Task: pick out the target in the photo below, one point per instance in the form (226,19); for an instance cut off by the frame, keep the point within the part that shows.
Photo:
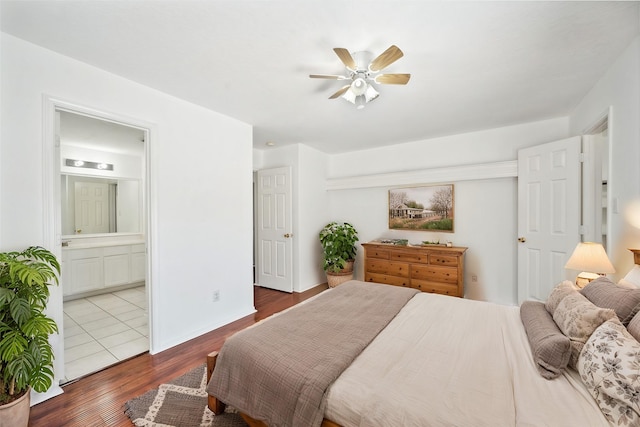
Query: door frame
(592,163)
(52,233)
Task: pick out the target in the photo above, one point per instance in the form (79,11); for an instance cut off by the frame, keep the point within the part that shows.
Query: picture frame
(422,208)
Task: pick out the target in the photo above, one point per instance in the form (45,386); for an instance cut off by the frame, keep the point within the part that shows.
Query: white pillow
(633,277)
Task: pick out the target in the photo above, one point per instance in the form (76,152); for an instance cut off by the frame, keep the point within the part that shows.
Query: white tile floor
(104,329)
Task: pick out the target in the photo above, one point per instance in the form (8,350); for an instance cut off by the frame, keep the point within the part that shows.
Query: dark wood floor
(98,399)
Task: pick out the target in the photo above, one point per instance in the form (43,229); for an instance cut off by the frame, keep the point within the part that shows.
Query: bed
(438,361)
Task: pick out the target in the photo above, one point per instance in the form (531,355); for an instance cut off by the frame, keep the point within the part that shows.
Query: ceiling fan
(363,72)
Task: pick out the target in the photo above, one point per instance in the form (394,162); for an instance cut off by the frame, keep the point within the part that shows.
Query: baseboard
(54,391)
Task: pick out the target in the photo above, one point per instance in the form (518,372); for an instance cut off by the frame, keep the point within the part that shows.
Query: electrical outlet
(215,296)
(474,278)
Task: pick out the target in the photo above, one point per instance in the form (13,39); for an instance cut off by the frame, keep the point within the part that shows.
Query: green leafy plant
(338,244)
(26,357)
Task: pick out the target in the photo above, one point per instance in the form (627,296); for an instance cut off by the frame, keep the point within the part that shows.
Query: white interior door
(549,206)
(92,207)
(274,229)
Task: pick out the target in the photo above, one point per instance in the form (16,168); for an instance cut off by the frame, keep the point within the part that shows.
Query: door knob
(288,235)
(521,239)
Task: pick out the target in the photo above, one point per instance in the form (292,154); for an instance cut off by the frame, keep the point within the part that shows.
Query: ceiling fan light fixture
(370,94)
(350,96)
(363,71)
(359,86)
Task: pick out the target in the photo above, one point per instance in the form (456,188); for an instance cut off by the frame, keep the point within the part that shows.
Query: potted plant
(339,251)
(26,357)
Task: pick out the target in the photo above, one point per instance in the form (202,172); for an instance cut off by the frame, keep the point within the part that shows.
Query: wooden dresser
(437,269)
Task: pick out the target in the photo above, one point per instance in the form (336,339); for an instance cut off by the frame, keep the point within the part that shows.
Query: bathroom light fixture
(591,259)
(88,165)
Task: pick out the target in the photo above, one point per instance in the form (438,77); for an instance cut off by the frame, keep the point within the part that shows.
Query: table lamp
(591,259)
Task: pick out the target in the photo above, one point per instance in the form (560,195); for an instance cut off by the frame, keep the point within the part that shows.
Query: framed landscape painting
(426,208)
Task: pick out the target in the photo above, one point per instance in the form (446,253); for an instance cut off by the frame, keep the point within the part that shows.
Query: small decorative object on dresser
(437,269)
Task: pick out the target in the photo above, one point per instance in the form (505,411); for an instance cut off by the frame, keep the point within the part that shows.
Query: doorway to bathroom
(103,217)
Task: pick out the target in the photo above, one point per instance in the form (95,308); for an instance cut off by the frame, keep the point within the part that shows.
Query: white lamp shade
(370,93)
(350,96)
(359,86)
(590,257)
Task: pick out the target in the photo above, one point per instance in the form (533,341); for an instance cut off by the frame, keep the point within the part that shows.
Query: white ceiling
(474,65)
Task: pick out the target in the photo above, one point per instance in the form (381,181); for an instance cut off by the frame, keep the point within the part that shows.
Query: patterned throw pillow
(609,366)
(577,318)
(558,293)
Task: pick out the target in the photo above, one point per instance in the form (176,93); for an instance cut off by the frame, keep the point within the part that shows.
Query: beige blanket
(279,371)
(446,362)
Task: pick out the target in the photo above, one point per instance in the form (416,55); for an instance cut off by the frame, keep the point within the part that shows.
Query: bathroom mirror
(94,205)
(101,176)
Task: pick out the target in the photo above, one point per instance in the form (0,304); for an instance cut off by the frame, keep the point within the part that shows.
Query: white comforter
(446,361)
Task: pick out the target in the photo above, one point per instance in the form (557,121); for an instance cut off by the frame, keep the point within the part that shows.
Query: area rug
(180,403)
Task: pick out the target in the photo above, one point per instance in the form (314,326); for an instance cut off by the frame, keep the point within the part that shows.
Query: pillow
(633,276)
(634,327)
(608,366)
(577,318)
(560,291)
(626,284)
(550,348)
(606,294)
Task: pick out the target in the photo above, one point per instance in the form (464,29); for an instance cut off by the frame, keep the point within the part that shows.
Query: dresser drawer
(387,267)
(378,253)
(435,287)
(438,259)
(434,273)
(409,257)
(386,279)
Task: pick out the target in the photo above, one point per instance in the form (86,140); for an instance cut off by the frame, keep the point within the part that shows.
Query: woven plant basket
(348,266)
(334,279)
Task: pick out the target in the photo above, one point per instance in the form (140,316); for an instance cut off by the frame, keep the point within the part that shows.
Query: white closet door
(274,229)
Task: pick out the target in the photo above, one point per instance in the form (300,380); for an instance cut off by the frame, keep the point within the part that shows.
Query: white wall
(200,188)
(313,215)
(619,89)
(486,146)
(485,210)
(129,206)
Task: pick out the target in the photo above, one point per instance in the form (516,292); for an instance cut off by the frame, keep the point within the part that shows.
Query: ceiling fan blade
(342,90)
(327,76)
(386,58)
(393,79)
(345,57)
